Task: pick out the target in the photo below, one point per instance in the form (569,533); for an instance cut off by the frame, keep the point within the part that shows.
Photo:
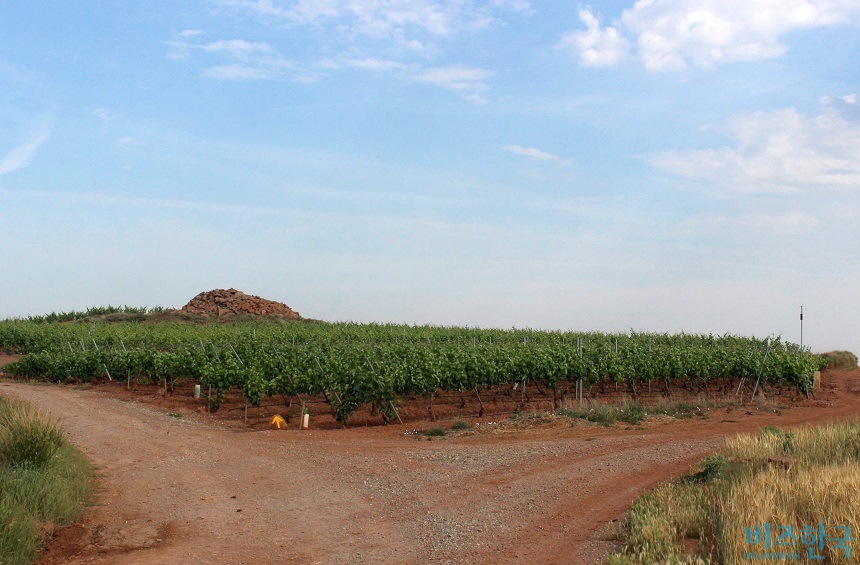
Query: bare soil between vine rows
(179,485)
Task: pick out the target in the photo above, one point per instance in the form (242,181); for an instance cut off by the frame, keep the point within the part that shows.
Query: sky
(654,165)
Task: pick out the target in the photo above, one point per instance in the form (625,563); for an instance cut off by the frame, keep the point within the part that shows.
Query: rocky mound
(233,302)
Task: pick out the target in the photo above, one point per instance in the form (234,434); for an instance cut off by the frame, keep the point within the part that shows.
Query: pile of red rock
(233,302)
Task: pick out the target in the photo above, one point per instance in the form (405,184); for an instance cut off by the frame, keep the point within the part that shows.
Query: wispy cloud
(236,47)
(779,152)
(393,19)
(537,154)
(468,81)
(595,46)
(367,64)
(395,36)
(245,60)
(238,72)
(21,156)
(671,35)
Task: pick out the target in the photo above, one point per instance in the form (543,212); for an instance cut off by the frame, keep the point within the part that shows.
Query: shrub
(632,413)
(844,360)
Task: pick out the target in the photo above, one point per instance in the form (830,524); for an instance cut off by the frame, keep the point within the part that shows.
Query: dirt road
(191,490)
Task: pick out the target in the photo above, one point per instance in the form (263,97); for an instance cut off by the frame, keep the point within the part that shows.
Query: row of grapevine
(354,365)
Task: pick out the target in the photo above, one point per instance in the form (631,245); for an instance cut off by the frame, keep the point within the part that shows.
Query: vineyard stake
(396,413)
(236,354)
(481,402)
(761,370)
(302,415)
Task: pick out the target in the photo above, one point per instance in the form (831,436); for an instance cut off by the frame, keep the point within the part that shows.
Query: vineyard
(354,365)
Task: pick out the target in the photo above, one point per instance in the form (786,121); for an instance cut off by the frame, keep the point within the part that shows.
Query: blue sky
(657,165)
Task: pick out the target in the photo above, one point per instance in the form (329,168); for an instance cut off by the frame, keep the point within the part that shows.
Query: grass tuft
(28,437)
(606,415)
(44,481)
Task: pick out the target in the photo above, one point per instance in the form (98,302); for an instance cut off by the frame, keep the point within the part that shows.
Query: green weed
(43,480)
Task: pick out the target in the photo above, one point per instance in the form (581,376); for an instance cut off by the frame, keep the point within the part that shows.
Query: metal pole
(801,327)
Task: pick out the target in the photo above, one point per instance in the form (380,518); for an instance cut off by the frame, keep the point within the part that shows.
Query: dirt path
(191,490)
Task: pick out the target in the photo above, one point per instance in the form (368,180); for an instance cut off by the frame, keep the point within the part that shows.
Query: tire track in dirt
(173,491)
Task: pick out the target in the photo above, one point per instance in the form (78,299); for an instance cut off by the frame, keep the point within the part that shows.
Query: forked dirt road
(191,490)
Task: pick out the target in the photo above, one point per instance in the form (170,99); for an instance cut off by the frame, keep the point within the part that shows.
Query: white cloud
(706,32)
(778,152)
(385,18)
(21,156)
(245,60)
(262,7)
(469,81)
(596,46)
(672,34)
(367,64)
(536,154)
(381,36)
(236,47)
(238,72)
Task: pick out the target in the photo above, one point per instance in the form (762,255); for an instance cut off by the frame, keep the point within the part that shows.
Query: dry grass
(834,442)
(799,478)
(797,498)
